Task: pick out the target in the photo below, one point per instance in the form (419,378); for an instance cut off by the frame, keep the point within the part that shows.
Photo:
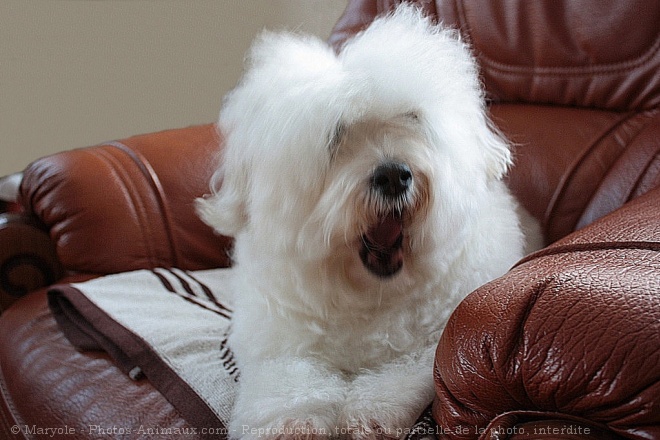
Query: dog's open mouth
(382,246)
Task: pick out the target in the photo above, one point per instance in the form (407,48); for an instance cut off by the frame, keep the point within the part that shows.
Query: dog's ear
(495,149)
(225,209)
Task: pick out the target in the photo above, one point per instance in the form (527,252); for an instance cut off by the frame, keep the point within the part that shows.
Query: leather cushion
(573,166)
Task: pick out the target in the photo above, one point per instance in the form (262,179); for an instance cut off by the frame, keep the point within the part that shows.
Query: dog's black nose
(392,179)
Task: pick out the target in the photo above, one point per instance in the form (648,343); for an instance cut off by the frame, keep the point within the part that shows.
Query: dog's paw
(377,419)
(360,429)
(384,404)
(287,398)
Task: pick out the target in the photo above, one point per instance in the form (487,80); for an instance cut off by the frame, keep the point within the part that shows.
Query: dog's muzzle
(382,244)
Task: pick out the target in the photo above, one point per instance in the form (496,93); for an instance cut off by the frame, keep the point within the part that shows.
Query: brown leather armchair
(566,345)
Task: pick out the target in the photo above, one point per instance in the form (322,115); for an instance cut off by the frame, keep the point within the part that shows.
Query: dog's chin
(382,246)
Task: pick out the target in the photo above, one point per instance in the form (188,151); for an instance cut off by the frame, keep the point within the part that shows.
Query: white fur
(323,344)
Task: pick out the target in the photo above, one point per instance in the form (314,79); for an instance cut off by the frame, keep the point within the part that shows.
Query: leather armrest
(570,337)
(129,204)
(27,258)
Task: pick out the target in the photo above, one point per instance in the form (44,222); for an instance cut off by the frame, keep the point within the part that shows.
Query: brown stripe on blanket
(190,295)
(228,362)
(208,292)
(90,328)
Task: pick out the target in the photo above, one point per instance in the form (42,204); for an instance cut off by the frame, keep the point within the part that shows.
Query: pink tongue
(387,232)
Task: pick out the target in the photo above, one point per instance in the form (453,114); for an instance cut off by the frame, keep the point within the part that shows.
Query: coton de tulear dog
(364,193)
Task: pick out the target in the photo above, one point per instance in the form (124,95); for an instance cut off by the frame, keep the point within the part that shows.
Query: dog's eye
(335,139)
(412,115)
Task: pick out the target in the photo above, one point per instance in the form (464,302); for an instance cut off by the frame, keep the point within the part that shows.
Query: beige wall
(79,72)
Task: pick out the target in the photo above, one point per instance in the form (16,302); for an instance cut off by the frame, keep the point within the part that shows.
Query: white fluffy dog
(364,193)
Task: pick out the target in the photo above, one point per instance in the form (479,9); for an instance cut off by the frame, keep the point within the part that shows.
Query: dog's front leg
(384,403)
(288,397)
